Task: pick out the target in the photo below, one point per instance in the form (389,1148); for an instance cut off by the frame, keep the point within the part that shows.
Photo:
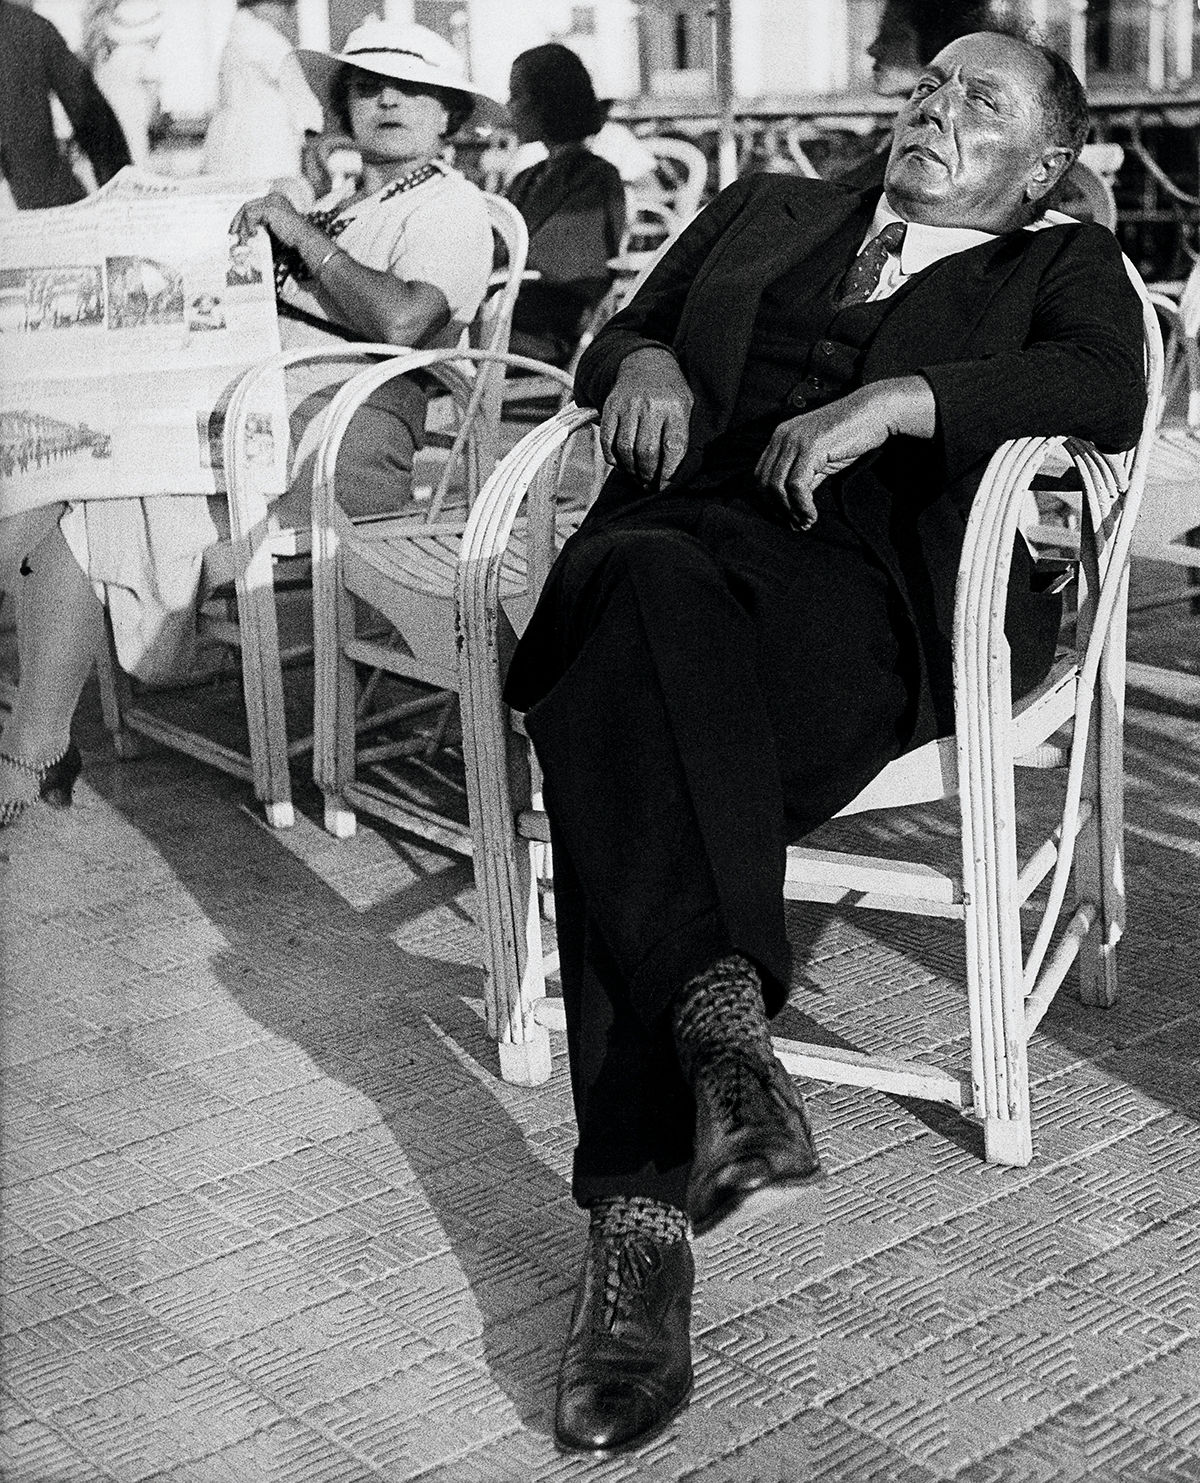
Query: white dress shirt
(922,247)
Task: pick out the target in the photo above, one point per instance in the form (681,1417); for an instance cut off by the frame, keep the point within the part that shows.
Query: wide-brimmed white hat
(401,50)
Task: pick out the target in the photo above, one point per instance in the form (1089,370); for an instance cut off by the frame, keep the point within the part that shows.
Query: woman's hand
(275,212)
(806,450)
(644,424)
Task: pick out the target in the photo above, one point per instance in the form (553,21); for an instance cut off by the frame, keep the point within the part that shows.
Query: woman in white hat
(404,259)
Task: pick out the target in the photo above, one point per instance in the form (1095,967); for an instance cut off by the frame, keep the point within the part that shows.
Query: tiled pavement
(268,1214)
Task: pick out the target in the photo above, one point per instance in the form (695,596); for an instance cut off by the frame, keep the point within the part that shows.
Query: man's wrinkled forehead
(1004,65)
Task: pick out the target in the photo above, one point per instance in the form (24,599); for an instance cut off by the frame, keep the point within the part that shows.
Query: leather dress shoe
(753,1139)
(627,1366)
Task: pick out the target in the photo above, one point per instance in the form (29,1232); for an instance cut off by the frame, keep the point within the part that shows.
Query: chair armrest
(982,682)
(247,505)
(494,514)
(448,366)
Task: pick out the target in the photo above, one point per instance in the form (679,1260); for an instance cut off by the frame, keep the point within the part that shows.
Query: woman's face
(394,122)
(522,113)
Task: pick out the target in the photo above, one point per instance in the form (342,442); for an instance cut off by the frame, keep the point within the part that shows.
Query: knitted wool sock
(634,1215)
(720,1011)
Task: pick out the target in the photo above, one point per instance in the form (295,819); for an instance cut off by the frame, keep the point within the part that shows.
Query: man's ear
(1052,165)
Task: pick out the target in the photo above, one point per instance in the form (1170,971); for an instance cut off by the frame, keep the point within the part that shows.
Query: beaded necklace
(333,222)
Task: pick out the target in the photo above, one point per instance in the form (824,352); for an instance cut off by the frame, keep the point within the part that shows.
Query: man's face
(970,146)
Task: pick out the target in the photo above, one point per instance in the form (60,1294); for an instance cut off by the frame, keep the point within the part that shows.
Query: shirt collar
(924,245)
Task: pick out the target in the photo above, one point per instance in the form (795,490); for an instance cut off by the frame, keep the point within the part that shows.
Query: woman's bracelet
(320,268)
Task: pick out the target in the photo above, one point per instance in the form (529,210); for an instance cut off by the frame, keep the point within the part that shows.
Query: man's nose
(938,105)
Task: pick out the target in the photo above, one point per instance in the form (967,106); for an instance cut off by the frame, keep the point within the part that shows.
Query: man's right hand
(644,424)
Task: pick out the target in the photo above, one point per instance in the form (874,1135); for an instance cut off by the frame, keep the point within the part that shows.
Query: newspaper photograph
(125,323)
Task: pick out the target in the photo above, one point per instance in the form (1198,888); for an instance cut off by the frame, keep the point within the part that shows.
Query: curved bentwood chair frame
(1072,721)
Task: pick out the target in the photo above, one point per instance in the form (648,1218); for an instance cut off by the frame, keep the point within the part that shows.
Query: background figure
(120,44)
(912,32)
(614,141)
(264,105)
(36,65)
(404,258)
(573,202)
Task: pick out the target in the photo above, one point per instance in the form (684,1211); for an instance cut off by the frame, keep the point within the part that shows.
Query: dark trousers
(723,685)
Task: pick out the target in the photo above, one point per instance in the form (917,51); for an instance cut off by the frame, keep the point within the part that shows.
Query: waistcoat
(804,351)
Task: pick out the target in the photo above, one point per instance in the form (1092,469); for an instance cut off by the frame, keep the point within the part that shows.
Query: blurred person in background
(573,201)
(912,32)
(120,44)
(404,258)
(36,65)
(265,108)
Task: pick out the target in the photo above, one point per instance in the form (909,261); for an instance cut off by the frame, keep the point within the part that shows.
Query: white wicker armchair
(1073,721)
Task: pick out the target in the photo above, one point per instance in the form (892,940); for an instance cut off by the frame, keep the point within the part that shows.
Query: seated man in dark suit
(755,619)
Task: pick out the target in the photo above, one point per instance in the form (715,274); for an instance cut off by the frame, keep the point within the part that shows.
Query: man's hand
(644,424)
(808,449)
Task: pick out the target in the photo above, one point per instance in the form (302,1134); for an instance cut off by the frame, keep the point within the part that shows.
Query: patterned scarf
(333,222)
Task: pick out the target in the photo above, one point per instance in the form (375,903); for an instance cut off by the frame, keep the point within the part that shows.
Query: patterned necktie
(862,275)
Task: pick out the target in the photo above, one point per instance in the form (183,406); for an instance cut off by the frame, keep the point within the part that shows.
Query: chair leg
(498,788)
(525,1061)
(262,684)
(1008,1141)
(113,698)
(995,964)
(1100,847)
(335,697)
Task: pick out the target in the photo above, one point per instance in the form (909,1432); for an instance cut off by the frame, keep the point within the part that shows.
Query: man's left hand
(806,450)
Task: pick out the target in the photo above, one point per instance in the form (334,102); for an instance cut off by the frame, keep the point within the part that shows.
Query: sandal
(55,780)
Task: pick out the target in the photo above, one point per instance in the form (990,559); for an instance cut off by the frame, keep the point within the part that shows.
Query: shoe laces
(628,1264)
(734,1079)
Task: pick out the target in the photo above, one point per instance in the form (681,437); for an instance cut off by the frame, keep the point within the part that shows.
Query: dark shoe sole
(762,1199)
(575,1450)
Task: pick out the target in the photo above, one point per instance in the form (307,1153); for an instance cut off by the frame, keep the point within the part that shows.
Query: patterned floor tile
(185,1413)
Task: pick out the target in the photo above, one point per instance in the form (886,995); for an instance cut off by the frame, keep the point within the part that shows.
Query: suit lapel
(939,312)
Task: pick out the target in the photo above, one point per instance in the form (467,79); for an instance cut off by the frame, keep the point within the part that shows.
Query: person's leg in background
(59,624)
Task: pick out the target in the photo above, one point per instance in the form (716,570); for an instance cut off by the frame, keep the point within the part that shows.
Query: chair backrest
(681,174)
(489,330)
(1087,196)
(650,224)
(1189,303)
(493,323)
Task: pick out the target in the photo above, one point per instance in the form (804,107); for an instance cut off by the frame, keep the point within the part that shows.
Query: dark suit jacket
(35,62)
(1031,333)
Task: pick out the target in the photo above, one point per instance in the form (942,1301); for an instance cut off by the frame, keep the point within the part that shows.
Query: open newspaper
(125,323)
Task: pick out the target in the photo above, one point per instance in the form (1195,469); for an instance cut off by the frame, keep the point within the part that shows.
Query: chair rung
(203,748)
(411,816)
(1040,997)
(1048,755)
(853,1068)
(379,656)
(533,824)
(871,881)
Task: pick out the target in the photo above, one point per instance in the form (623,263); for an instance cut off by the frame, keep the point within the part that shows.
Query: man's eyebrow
(997,81)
